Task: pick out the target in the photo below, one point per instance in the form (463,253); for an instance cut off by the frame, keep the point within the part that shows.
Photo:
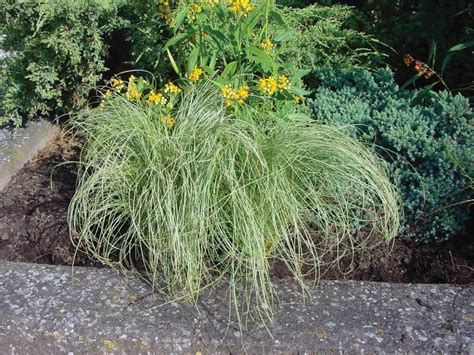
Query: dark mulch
(33,228)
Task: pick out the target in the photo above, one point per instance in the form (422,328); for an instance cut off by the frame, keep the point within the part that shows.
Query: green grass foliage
(429,146)
(219,197)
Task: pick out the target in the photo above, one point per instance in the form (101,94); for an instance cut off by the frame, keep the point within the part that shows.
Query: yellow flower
(172,88)
(241,7)
(297,99)
(243,94)
(117,84)
(156,98)
(231,95)
(267,45)
(194,10)
(228,93)
(283,83)
(168,119)
(108,94)
(268,85)
(133,94)
(194,74)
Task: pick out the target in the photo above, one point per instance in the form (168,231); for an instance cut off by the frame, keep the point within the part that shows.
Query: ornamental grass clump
(219,196)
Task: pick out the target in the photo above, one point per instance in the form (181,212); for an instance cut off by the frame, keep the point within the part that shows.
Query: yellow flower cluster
(164,10)
(133,94)
(194,74)
(267,45)
(241,7)
(156,98)
(171,88)
(117,84)
(283,83)
(268,85)
(169,120)
(194,10)
(235,95)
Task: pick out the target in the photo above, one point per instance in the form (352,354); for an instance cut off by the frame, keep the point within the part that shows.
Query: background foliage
(57,53)
(329,35)
(429,146)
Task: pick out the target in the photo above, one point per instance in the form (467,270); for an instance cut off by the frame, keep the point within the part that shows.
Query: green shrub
(218,196)
(57,53)
(328,35)
(427,145)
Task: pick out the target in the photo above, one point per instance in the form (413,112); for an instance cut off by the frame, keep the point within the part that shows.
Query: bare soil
(33,228)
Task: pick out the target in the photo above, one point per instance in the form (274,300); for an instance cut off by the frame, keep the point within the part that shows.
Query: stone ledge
(44,309)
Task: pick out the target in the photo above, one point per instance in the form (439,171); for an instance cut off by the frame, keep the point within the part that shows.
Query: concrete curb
(46,310)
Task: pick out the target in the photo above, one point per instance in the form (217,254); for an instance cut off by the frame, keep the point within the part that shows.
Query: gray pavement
(44,309)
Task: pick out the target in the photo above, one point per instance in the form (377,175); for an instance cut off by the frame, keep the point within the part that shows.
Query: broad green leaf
(278,18)
(298,91)
(217,35)
(260,57)
(175,39)
(212,64)
(179,18)
(283,36)
(193,58)
(229,70)
(301,73)
(173,63)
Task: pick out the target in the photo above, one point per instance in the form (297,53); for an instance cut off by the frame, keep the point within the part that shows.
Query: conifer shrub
(428,146)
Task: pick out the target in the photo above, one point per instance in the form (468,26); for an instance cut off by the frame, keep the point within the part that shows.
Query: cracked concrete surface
(44,309)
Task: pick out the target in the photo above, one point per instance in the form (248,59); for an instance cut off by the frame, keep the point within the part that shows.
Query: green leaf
(284,36)
(180,16)
(299,91)
(212,64)
(173,63)
(193,58)
(250,23)
(175,39)
(229,70)
(278,18)
(461,46)
(217,35)
(422,94)
(411,81)
(260,57)
(452,51)
(301,73)
(432,56)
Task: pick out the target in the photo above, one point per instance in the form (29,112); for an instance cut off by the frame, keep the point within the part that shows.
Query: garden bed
(33,228)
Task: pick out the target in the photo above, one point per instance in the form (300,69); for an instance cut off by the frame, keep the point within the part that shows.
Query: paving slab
(46,309)
(20,145)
